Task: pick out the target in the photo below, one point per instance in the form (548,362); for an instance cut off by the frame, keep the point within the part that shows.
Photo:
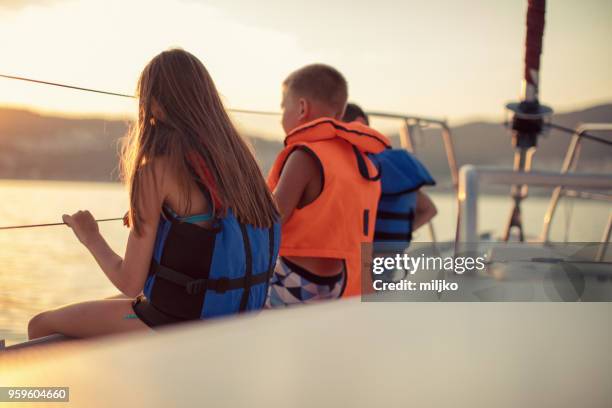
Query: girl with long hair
(204,230)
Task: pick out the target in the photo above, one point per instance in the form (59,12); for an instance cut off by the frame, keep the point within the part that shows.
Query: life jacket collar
(366,139)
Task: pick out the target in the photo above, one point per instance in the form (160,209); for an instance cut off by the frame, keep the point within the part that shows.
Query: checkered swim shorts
(292,284)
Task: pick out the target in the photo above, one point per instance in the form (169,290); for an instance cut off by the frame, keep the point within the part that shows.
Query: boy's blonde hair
(321,83)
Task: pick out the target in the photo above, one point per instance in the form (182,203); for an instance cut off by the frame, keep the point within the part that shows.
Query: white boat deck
(344,353)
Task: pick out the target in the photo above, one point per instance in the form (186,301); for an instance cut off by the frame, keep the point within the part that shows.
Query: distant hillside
(33,146)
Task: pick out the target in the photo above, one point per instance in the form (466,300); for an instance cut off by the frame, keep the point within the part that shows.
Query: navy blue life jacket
(199,273)
(401,176)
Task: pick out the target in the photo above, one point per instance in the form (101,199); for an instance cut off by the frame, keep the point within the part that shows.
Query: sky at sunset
(441,58)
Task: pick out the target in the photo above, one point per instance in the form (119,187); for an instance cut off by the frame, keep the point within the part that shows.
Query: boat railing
(569,165)
(411,123)
(471,177)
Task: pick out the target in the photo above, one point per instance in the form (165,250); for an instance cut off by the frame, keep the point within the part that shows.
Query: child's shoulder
(302,160)
(156,172)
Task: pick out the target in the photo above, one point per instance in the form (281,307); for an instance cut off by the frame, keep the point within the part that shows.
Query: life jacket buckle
(221,285)
(195,286)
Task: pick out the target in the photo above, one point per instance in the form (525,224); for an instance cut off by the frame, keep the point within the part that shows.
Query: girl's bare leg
(87,319)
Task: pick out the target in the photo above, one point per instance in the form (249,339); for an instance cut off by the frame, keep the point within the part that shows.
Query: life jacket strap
(392,236)
(381,235)
(390,215)
(248,274)
(249,278)
(363,167)
(195,286)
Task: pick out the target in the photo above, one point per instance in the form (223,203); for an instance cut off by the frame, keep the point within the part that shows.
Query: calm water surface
(44,268)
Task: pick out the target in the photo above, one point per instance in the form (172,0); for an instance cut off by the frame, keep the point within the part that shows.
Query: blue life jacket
(401,176)
(199,273)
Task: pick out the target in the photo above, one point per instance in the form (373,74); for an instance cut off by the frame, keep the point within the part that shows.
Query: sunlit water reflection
(43,268)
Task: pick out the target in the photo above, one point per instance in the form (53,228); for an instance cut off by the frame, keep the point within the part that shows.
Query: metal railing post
(605,240)
(470,177)
(568,163)
(449,147)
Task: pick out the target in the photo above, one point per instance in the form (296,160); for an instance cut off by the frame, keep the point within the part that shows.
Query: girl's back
(204,230)
(217,236)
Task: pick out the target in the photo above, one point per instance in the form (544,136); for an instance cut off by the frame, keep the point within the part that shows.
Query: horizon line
(130,117)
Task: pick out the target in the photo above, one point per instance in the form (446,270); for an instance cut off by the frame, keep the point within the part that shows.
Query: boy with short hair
(424,208)
(326,190)
(354,113)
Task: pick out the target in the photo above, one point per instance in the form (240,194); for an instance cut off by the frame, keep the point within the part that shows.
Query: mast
(528,114)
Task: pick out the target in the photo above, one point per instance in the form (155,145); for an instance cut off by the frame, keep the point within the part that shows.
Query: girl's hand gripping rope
(84,226)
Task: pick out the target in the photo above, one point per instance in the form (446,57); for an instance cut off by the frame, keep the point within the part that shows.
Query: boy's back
(328,207)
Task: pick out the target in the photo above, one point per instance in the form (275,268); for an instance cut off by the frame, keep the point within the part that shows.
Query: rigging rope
(571,131)
(248,111)
(582,134)
(79,88)
(52,224)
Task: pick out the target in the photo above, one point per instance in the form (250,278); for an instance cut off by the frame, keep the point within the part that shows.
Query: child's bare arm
(129,273)
(299,171)
(425,210)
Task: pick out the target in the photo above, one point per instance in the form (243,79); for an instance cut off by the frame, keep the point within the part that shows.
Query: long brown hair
(194,133)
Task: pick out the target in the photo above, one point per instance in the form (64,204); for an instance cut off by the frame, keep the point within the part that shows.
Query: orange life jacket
(342,217)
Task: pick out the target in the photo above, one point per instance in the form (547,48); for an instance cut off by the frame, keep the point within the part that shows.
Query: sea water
(43,268)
